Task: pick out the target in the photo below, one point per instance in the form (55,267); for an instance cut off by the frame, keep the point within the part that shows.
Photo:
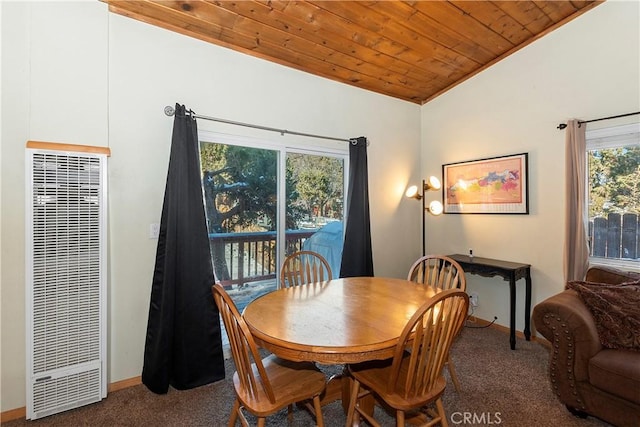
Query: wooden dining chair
(264,386)
(441,273)
(412,380)
(438,271)
(304,267)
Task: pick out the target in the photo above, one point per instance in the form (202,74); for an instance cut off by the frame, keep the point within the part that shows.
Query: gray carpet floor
(500,387)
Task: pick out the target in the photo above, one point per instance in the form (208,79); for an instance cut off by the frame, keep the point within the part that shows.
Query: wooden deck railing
(242,258)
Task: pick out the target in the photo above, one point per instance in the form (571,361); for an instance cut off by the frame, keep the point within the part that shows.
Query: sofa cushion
(616,311)
(617,372)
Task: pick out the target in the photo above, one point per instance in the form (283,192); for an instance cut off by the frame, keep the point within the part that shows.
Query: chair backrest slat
(243,347)
(427,338)
(438,271)
(304,267)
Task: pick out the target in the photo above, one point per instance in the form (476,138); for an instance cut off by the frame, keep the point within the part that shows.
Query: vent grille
(66,279)
(53,395)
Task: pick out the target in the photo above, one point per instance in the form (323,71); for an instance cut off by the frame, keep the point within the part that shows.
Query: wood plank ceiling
(412,50)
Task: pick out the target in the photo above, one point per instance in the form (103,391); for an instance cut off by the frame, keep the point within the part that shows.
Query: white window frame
(603,138)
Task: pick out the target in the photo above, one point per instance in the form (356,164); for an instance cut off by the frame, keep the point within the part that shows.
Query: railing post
(240,264)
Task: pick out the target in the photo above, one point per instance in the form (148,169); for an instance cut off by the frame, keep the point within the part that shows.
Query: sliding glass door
(264,201)
(315,205)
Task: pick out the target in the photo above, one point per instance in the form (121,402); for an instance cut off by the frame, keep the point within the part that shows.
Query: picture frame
(494,185)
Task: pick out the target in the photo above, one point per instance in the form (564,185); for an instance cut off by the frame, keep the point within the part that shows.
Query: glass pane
(614,202)
(240,193)
(315,206)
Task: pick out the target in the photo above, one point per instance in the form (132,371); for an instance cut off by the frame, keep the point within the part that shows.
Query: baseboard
(14,414)
(119,385)
(519,334)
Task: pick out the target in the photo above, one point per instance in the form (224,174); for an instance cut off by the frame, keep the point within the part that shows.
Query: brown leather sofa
(587,377)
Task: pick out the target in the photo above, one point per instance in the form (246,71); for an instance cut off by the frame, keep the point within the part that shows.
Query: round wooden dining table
(338,321)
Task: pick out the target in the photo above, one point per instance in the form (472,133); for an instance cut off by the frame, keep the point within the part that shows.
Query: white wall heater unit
(66,207)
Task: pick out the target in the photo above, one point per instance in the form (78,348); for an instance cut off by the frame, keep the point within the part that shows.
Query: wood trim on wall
(130,382)
(58,146)
(482,323)
(13,414)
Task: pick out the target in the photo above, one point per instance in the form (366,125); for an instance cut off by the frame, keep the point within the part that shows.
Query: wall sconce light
(434,208)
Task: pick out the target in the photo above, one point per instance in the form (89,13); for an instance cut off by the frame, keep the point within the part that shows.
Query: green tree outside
(319,183)
(614,178)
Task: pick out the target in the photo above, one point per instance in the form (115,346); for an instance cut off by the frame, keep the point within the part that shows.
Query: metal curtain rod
(564,125)
(170,111)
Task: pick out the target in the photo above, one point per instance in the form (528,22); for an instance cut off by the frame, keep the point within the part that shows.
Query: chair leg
(355,389)
(234,413)
(441,413)
(290,414)
(399,418)
(261,421)
(318,410)
(454,375)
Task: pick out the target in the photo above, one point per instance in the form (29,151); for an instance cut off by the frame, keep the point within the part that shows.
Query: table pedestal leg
(339,387)
(366,403)
(333,391)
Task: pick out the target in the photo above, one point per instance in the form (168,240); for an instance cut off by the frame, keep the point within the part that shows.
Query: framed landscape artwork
(497,185)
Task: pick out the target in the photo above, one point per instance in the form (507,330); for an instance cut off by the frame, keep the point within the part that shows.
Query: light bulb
(435,207)
(433,183)
(413,192)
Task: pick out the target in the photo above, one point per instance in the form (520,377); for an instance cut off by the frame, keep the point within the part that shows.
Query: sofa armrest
(567,323)
(600,274)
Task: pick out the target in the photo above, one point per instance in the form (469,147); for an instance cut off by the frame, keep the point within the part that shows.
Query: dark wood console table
(511,271)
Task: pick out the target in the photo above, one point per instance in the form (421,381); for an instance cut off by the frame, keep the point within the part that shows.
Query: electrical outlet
(154,231)
(473,299)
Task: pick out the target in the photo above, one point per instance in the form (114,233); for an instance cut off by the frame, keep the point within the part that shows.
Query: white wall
(589,68)
(54,71)
(75,73)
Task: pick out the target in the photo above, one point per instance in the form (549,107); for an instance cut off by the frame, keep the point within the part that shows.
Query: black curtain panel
(357,257)
(183,345)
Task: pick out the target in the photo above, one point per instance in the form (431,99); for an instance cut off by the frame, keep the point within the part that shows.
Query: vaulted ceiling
(412,50)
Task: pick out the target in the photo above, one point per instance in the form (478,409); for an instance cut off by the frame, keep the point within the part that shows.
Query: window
(613,156)
(264,201)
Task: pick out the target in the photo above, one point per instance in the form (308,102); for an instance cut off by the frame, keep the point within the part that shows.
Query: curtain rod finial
(562,126)
(169,110)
